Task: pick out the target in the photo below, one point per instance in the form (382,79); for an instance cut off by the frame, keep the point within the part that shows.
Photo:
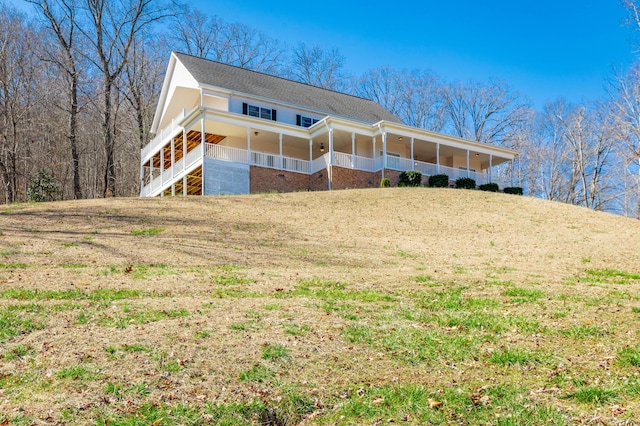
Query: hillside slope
(418,305)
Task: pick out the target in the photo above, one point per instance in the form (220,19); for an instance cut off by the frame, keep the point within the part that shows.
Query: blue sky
(544,48)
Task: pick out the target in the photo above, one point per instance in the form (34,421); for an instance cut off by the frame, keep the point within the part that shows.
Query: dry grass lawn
(406,305)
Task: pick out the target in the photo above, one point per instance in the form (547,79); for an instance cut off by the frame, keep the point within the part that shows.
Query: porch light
(400,138)
(477,155)
(321,147)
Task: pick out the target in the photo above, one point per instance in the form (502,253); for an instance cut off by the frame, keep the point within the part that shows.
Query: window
(305,121)
(260,112)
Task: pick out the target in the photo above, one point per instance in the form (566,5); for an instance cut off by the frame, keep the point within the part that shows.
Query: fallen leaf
(434,404)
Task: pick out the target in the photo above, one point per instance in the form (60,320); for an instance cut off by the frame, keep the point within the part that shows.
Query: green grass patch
(415,404)
(296,330)
(628,357)
(275,352)
(358,334)
(594,395)
(19,351)
(584,331)
(14,323)
(258,373)
(97,295)
(13,266)
(523,295)
(454,299)
(416,346)
(517,356)
(609,276)
(232,279)
(147,232)
(337,290)
(76,372)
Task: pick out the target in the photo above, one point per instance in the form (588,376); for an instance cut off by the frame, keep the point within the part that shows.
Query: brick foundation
(342,178)
(263,179)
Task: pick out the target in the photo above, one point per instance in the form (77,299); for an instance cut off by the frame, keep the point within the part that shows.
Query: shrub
(385,183)
(490,187)
(410,178)
(516,190)
(439,181)
(42,188)
(465,183)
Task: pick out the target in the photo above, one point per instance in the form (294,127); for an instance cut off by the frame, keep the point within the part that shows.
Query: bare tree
(113,29)
(386,86)
(484,112)
(318,67)
(20,72)
(142,81)
(199,34)
(423,102)
(61,18)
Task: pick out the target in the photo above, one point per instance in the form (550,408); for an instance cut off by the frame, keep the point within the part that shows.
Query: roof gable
(217,74)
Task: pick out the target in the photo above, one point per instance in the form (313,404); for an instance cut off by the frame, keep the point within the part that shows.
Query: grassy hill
(352,307)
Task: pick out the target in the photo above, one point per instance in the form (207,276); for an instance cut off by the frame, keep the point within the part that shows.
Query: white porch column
(173,157)
(151,170)
(412,161)
(204,153)
(310,156)
(490,166)
(353,150)
(184,148)
(141,176)
(162,165)
(173,189)
(280,143)
(202,142)
(330,166)
(438,158)
(384,152)
(373,143)
(184,185)
(248,145)
(468,172)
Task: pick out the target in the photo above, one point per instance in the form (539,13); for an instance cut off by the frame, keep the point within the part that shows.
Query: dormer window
(260,112)
(305,121)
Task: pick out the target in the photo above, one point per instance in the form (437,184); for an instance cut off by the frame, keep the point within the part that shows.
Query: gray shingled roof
(291,92)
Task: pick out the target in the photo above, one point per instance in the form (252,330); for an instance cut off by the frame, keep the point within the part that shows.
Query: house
(226,130)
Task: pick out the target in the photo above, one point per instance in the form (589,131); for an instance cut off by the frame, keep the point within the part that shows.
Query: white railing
(226,153)
(192,156)
(453,173)
(364,163)
(179,166)
(427,169)
(341,159)
(164,134)
(265,160)
(295,165)
(378,163)
(320,163)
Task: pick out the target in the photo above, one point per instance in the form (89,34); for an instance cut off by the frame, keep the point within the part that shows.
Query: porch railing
(340,159)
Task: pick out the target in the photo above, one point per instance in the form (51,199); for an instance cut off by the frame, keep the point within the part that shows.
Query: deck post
(490,166)
(249,145)
(184,148)
(280,145)
(384,152)
(468,171)
(310,156)
(353,150)
(330,166)
(162,166)
(438,158)
(412,160)
(173,157)
(184,186)
(373,143)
